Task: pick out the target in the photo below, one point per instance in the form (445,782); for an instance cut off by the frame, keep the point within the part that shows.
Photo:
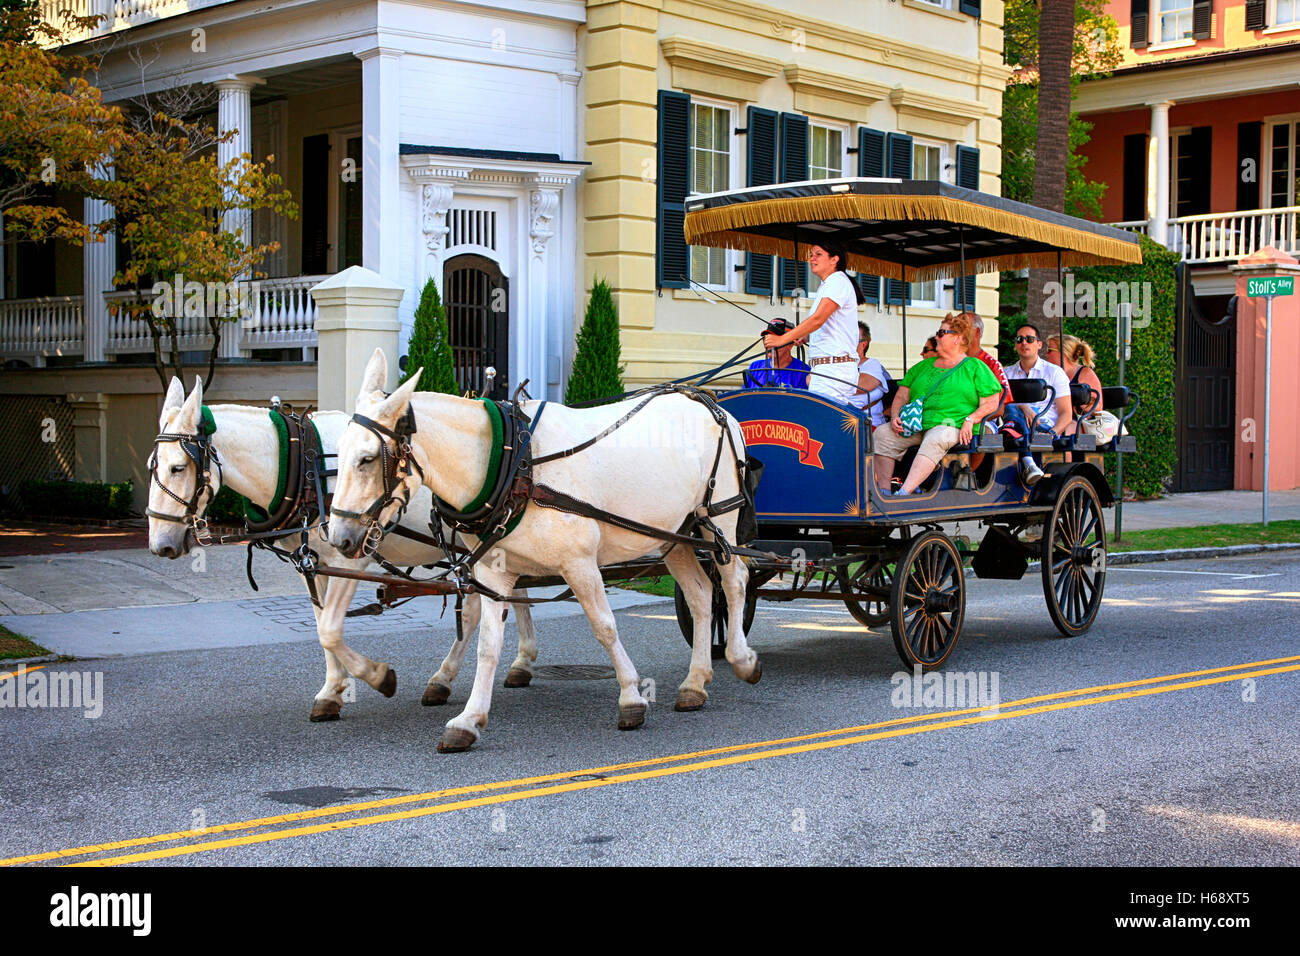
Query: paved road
(1196,770)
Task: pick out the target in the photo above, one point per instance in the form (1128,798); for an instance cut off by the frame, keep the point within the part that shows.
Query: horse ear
(375,376)
(174,399)
(193,407)
(394,406)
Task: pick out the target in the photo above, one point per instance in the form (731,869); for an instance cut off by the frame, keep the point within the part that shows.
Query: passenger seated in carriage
(953,388)
(1077,361)
(873,380)
(1049,415)
(782,370)
(930,349)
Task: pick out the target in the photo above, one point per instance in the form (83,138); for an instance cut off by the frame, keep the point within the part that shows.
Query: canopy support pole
(905,298)
(961,279)
(1060,318)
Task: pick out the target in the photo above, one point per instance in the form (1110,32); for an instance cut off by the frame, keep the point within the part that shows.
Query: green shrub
(227,507)
(430,345)
(76,499)
(596,372)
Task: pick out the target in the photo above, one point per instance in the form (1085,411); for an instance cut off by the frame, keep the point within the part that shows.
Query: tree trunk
(1052,148)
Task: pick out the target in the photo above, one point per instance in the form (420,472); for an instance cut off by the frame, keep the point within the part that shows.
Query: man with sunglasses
(1049,415)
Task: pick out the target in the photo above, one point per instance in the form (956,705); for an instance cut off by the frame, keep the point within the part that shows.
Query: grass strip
(1208,536)
(13,646)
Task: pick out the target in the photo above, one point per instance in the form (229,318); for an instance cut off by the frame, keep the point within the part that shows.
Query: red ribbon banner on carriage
(786,434)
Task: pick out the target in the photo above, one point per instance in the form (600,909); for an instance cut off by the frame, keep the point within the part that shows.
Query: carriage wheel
(927,601)
(1074,557)
(686,622)
(870,583)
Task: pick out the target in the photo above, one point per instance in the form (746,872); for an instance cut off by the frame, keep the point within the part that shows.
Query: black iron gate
(1206,351)
(478,320)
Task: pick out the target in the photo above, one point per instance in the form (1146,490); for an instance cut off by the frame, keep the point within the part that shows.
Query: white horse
(654,469)
(247,447)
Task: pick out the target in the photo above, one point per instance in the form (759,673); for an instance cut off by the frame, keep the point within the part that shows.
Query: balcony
(1225,237)
(282,315)
(116,14)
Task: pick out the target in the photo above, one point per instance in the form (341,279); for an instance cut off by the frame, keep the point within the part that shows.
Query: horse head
(181,483)
(378,470)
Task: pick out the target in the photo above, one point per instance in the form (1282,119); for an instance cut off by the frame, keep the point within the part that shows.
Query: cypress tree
(596,372)
(430,345)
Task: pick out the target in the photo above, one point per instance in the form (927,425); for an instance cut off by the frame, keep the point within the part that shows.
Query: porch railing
(40,328)
(1229,236)
(281,314)
(116,14)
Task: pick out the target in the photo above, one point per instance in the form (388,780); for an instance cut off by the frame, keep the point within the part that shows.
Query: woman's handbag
(911,414)
(1102,424)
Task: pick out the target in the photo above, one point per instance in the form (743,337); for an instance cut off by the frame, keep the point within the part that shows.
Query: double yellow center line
(527,788)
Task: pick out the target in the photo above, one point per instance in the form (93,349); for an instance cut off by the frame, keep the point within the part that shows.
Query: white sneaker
(1030,473)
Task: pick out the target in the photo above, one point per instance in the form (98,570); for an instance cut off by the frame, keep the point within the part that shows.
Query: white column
(543,204)
(98,263)
(1158,199)
(235,112)
(380,183)
(568,125)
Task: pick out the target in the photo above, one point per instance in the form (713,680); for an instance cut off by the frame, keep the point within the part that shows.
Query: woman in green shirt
(958,392)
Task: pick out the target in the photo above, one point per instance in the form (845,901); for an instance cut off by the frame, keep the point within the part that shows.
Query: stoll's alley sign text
(1267,286)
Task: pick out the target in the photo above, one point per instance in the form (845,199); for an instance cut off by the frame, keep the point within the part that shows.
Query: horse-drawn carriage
(613,501)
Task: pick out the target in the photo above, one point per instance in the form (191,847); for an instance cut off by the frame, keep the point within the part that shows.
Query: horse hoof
(518,677)
(454,741)
(388,686)
(325,710)
(756,674)
(631,716)
(688,699)
(435,694)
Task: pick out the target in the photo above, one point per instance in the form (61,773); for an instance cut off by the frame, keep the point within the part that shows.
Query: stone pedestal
(356,313)
(1284,442)
(90,424)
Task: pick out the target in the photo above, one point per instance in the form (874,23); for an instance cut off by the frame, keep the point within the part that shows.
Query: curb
(1186,554)
(24,661)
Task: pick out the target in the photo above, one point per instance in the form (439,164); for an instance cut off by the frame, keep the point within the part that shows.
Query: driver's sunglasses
(1021,339)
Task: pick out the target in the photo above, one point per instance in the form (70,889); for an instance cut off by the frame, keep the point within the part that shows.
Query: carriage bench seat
(1115,398)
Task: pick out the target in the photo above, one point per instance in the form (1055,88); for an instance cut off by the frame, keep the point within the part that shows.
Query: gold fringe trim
(718,228)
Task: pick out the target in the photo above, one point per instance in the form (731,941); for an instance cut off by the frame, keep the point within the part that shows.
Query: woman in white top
(873,380)
(831,330)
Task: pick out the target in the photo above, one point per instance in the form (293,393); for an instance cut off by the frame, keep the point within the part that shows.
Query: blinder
(396,466)
(198,448)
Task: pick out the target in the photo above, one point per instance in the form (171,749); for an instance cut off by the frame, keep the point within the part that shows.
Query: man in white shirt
(1051,414)
(873,380)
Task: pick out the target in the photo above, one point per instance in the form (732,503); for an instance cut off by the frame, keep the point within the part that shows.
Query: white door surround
(507,207)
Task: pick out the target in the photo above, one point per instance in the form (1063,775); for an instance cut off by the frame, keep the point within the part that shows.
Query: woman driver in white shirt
(831,329)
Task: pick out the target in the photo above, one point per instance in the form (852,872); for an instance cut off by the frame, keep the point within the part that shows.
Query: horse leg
(329,630)
(589,588)
(438,690)
(698,590)
(743,658)
(462,731)
(521,671)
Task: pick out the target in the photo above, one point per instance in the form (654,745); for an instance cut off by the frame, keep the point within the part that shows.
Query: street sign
(1268,286)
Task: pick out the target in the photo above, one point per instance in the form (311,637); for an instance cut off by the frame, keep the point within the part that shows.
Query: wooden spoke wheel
(718,648)
(1074,557)
(928,601)
(870,583)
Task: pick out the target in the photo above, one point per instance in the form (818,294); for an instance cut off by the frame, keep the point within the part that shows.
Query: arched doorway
(477,300)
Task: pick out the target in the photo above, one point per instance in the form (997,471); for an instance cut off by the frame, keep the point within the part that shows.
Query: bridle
(398,466)
(198,448)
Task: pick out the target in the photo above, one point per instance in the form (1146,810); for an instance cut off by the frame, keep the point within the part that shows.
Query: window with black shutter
(871,162)
(1135,177)
(315,204)
(1194,172)
(793,169)
(1202,19)
(672,254)
(1140,26)
(969,7)
(968,177)
(898,163)
(760,152)
(1249,167)
(1256,14)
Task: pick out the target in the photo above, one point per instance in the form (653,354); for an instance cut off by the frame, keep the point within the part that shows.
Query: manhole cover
(573,672)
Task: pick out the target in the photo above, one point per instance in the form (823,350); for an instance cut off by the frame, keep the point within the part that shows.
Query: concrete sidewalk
(1208,507)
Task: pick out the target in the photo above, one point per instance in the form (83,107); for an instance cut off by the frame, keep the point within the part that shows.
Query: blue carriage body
(816,456)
